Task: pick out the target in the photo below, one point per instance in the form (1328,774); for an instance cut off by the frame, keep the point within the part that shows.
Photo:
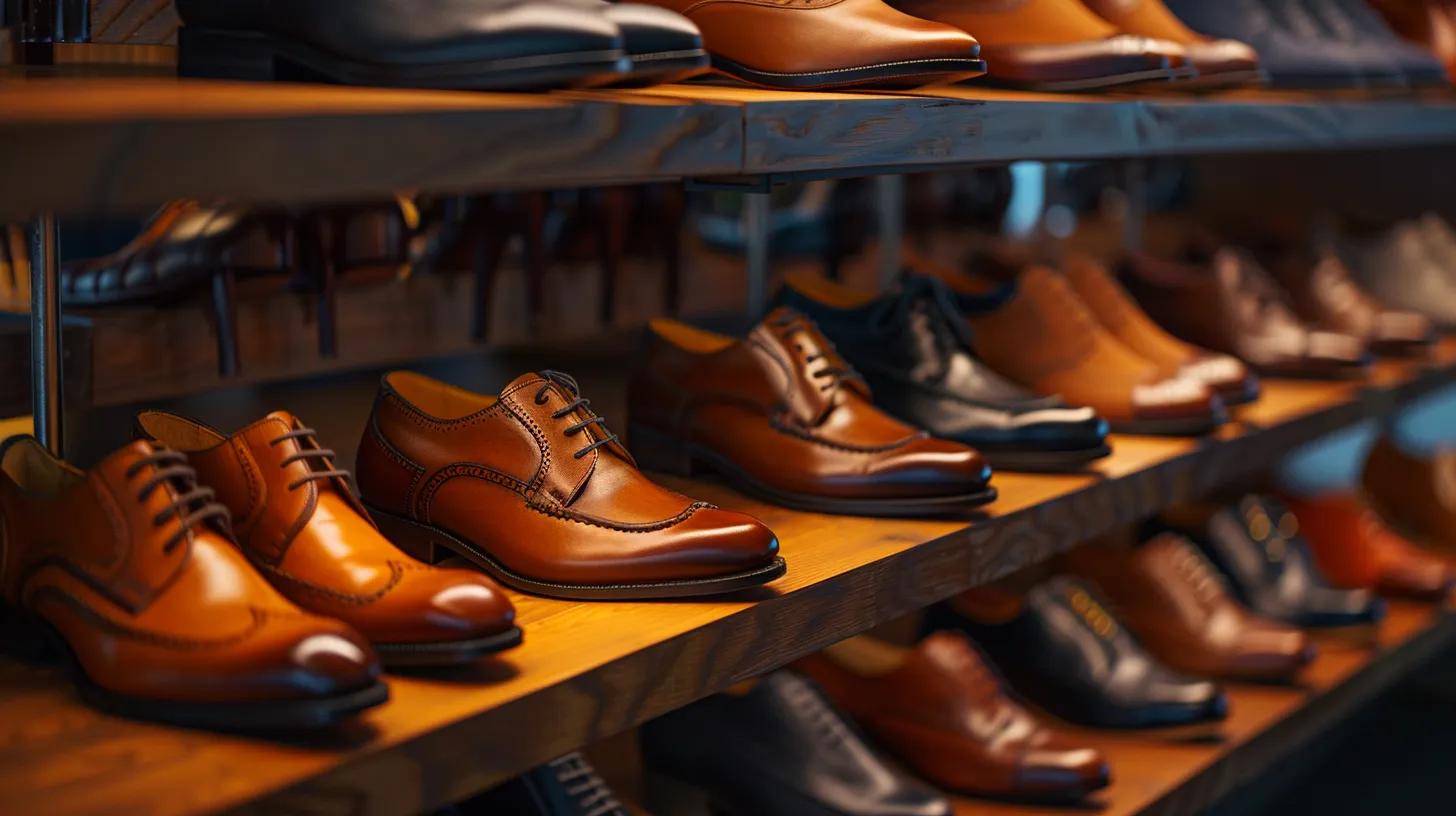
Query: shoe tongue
(794,339)
(286,418)
(529,376)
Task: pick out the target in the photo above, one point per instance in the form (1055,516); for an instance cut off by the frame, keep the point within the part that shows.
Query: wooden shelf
(587,671)
(79,146)
(1267,725)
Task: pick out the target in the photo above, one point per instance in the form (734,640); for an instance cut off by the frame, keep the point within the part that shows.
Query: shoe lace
(578,403)
(1199,573)
(581,782)
(306,453)
(835,370)
(191,504)
(929,302)
(825,720)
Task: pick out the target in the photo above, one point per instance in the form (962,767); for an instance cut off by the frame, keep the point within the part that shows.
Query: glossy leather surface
(1416,495)
(1232,306)
(781,749)
(1067,654)
(1038,42)
(394,32)
(298,522)
(1075,357)
(1257,546)
(1356,550)
(1357,24)
(782,408)
(509,476)
(1151,18)
(150,594)
(822,43)
(1325,296)
(1120,315)
(1179,608)
(1289,60)
(917,357)
(568,786)
(1407,267)
(943,712)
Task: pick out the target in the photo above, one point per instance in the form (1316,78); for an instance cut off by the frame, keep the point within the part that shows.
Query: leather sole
(446,653)
(1035,461)
(656,451)
(1225,80)
(659,69)
(898,74)
(222,54)
(35,641)
(432,545)
(1159,75)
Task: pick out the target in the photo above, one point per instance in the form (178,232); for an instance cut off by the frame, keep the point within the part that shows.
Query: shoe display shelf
(590,670)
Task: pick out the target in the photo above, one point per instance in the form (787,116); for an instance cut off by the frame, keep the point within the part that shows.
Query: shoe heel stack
(415,540)
(208,53)
(655,450)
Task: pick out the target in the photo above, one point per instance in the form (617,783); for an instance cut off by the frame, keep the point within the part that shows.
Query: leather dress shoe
(1319,22)
(1440,239)
(1233,307)
(781,749)
(1326,297)
(568,786)
(663,46)
(1077,359)
(1356,550)
(456,44)
(1181,611)
(1426,23)
(1220,63)
(1066,653)
(943,713)
(915,353)
(127,573)
(1406,268)
(783,417)
(1257,547)
(1119,314)
(533,488)
(296,519)
(830,44)
(1415,495)
(180,250)
(1290,61)
(1358,25)
(1055,45)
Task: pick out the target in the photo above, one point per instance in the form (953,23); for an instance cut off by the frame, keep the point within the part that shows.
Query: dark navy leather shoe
(914,349)
(1067,654)
(1290,60)
(1257,546)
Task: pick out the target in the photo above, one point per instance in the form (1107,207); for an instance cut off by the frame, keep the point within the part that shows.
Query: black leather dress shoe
(568,786)
(664,46)
(1256,545)
(461,44)
(780,750)
(913,348)
(1067,654)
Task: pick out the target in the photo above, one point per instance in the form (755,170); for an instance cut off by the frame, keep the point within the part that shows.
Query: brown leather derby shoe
(533,488)
(127,571)
(943,712)
(1181,611)
(1220,63)
(784,418)
(829,43)
(297,520)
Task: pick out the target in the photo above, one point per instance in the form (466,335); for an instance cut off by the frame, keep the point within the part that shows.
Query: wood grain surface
(587,671)
(149,22)
(1267,724)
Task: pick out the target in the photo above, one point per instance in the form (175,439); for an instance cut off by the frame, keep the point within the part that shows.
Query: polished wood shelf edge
(587,671)
(1267,724)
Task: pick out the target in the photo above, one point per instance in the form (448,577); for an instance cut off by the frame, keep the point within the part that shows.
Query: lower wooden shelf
(589,670)
(1267,724)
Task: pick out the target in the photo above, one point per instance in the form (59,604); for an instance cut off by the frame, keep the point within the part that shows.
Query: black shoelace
(835,370)
(190,504)
(310,453)
(581,782)
(568,384)
(931,298)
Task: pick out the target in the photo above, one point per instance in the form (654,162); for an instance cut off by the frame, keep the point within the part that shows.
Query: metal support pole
(45,334)
(1135,188)
(890,212)
(755,229)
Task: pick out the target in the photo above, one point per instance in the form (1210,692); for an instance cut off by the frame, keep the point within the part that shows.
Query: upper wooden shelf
(589,670)
(78,146)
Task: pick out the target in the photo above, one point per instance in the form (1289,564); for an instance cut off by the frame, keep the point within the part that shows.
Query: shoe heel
(667,796)
(208,53)
(655,450)
(23,638)
(415,540)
